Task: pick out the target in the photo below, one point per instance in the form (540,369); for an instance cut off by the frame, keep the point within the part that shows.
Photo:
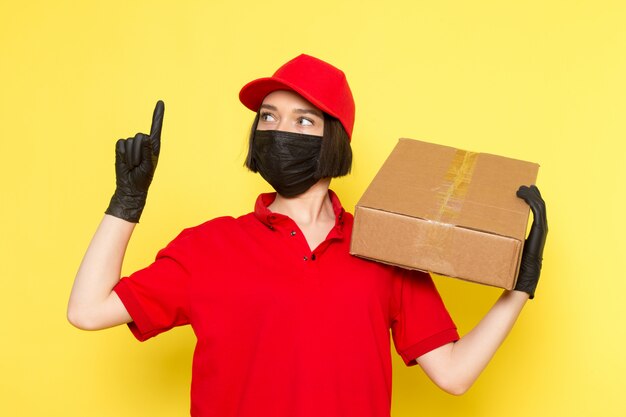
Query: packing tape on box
(457,180)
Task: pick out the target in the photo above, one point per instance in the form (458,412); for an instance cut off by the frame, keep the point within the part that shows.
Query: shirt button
(305,258)
(313,257)
(293,233)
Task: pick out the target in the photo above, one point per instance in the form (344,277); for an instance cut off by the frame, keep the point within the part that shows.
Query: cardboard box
(445,210)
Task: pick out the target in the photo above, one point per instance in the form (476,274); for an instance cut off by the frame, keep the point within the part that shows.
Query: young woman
(287,322)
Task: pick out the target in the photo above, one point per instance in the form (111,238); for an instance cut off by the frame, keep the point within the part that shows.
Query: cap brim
(253,93)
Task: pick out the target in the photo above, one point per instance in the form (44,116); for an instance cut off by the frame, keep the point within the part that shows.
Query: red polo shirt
(282,330)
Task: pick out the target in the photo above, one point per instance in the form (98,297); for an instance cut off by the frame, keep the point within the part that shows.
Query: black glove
(532,255)
(135,161)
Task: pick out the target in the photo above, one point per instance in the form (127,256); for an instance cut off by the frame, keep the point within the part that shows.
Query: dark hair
(335,155)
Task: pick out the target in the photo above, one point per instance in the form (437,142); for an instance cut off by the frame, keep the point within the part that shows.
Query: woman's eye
(305,122)
(268,117)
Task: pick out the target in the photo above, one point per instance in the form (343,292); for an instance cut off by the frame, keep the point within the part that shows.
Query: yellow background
(538,80)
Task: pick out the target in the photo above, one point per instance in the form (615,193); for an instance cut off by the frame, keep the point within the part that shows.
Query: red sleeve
(422,322)
(157,297)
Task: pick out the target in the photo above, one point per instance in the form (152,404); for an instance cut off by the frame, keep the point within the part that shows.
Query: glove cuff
(529,273)
(127,208)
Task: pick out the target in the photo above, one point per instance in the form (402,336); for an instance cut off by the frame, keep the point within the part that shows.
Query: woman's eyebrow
(316,112)
(309,111)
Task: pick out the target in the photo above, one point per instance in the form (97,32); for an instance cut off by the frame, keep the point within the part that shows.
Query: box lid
(451,186)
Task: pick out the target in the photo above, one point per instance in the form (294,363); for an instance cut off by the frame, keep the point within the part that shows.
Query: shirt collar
(273,220)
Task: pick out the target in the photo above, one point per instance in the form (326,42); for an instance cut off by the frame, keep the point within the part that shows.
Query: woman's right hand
(135,162)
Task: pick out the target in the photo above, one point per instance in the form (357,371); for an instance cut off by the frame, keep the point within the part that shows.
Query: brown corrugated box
(447,211)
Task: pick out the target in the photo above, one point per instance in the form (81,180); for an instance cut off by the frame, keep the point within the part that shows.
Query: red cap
(317,81)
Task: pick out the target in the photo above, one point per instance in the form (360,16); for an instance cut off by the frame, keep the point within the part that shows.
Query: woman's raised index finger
(157,121)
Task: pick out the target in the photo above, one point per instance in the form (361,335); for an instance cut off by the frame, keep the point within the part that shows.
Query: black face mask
(286,160)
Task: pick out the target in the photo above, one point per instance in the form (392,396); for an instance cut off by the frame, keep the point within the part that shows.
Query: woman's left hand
(530,267)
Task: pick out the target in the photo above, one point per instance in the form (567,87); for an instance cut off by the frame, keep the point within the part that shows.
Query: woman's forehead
(288,100)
